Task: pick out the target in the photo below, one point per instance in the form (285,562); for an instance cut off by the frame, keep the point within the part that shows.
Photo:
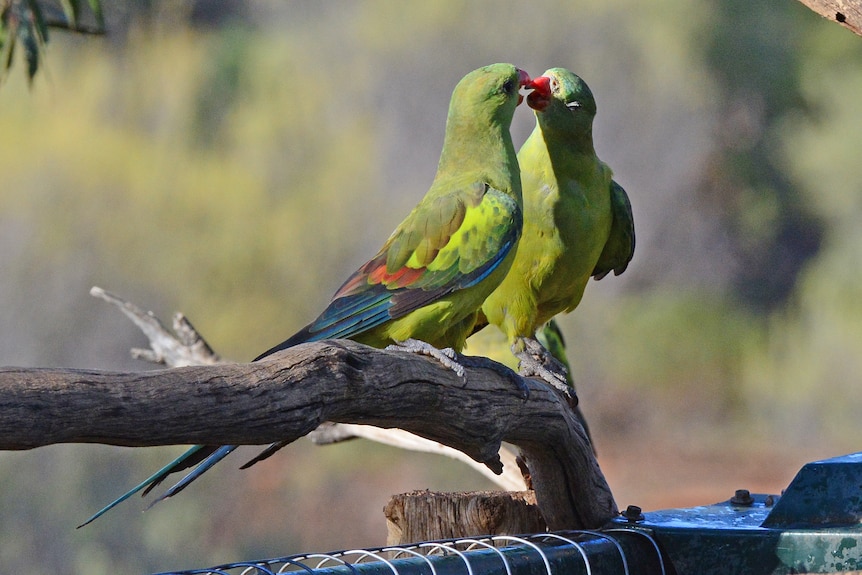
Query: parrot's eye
(555,86)
(507,86)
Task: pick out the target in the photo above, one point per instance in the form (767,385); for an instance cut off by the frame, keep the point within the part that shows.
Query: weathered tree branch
(295,391)
(185,346)
(848,13)
(510,479)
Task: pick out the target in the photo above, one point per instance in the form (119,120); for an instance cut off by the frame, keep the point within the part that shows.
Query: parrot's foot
(447,356)
(536,361)
(457,362)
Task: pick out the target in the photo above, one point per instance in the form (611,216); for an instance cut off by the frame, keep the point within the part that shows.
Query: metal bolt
(633,513)
(742,498)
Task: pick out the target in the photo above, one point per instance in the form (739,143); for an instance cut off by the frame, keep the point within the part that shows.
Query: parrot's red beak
(542,85)
(540,97)
(523,82)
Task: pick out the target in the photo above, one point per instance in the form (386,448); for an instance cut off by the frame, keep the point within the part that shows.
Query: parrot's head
(563,98)
(490,93)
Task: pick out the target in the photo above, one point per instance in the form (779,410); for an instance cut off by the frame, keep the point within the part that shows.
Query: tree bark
(293,392)
(848,13)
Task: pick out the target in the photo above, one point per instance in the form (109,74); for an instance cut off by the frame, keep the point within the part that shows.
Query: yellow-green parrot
(424,288)
(577,222)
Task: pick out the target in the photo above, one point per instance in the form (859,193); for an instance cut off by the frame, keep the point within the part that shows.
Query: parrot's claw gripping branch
(536,361)
(447,356)
(455,361)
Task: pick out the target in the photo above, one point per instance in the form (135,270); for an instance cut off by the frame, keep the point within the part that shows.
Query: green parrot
(577,222)
(423,289)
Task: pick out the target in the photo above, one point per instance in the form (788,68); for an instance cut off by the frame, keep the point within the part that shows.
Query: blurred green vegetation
(237,161)
(25,25)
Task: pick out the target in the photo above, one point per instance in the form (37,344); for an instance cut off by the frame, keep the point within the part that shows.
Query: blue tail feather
(199,470)
(147,483)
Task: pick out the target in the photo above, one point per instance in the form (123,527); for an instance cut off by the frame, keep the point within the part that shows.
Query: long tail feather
(266,453)
(147,483)
(191,458)
(202,468)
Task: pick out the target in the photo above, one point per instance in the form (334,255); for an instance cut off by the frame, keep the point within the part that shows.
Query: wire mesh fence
(621,551)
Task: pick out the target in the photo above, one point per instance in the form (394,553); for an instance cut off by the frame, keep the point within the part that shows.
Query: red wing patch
(400,278)
(374,273)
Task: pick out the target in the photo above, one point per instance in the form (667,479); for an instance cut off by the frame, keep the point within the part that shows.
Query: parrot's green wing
(620,247)
(451,241)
